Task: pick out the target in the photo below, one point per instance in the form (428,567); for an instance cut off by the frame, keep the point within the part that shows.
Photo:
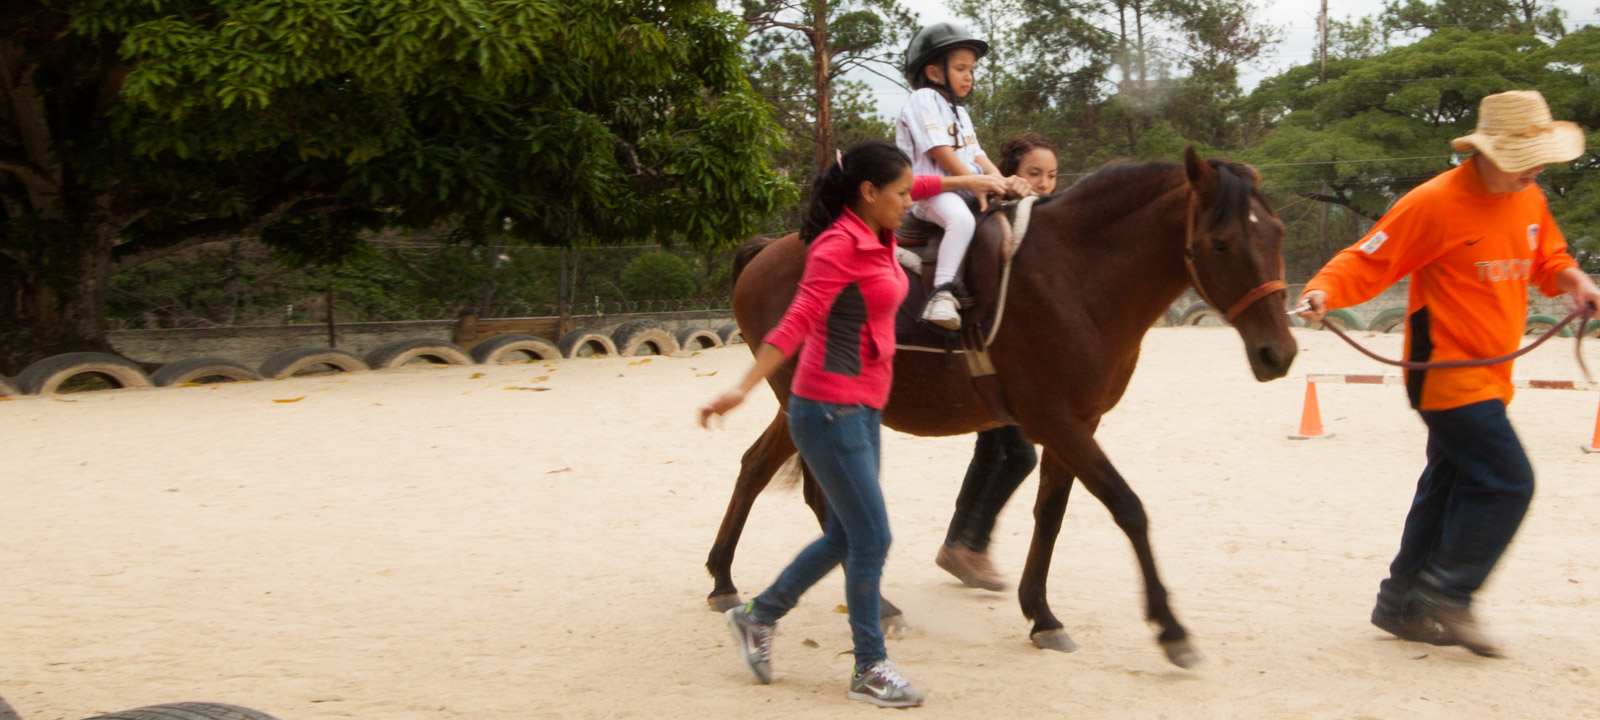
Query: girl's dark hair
(1018,147)
(875,161)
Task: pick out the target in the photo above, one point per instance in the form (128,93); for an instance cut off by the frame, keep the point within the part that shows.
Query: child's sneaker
(754,641)
(941,310)
(882,684)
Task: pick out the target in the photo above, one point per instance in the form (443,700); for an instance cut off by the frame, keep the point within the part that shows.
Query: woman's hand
(768,358)
(721,404)
(981,186)
(1018,186)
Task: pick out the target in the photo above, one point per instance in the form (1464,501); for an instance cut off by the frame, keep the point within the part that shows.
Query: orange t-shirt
(1471,254)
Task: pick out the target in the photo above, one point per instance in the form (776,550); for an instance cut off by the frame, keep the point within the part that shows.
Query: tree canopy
(130,130)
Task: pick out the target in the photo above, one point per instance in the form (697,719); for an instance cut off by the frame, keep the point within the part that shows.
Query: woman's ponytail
(829,193)
(875,161)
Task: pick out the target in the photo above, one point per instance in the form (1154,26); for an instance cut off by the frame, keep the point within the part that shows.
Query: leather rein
(1250,298)
(1584,312)
(1272,286)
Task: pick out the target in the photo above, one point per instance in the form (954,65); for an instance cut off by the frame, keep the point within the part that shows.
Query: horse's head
(1235,258)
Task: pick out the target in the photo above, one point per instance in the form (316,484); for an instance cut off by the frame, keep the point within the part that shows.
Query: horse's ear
(1202,177)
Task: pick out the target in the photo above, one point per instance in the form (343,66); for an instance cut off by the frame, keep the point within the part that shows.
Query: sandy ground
(447,543)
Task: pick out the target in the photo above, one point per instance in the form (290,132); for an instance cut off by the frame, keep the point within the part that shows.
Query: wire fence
(315,315)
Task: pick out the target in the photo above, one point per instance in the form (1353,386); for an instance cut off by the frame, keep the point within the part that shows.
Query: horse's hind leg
(760,463)
(1072,444)
(1055,485)
(893,620)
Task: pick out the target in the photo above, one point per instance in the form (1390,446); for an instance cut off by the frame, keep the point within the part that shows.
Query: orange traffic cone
(1594,445)
(1311,417)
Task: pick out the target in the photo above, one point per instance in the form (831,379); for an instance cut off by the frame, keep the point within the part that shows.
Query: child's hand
(1017,186)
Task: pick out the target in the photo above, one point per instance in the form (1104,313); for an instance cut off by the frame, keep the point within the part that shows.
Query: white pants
(949,211)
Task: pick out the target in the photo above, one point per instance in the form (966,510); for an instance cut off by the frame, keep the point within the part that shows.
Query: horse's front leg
(1055,484)
(1072,442)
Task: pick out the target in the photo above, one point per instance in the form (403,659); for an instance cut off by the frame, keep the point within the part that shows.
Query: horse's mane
(747,252)
(1236,185)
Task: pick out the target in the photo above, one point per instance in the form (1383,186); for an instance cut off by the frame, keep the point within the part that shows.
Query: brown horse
(1100,264)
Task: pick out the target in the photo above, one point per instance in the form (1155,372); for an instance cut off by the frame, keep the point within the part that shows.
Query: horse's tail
(748,252)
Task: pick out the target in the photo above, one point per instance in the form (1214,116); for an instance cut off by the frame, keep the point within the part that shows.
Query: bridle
(1249,298)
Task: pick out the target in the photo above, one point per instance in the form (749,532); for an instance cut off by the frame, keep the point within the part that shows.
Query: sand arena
(528,542)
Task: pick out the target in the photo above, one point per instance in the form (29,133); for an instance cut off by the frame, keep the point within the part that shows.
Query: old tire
(1346,320)
(698,339)
(397,353)
(729,332)
(1388,320)
(286,363)
(198,369)
(1202,314)
(45,376)
(503,348)
(1539,324)
(187,711)
(585,343)
(643,337)
(7,390)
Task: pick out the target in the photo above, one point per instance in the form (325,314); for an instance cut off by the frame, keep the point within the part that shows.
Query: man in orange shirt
(1472,239)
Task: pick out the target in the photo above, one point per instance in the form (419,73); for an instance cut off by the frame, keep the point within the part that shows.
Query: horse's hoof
(723,603)
(1182,654)
(1057,640)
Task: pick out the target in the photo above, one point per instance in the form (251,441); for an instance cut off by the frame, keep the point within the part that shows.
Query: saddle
(977,285)
(978,289)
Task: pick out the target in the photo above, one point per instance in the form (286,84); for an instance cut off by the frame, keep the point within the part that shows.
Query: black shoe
(1421,628)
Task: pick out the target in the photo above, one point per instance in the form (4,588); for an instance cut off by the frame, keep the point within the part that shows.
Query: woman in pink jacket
(841,322)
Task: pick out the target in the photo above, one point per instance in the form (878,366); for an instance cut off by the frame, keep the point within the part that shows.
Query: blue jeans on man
(1470,500)
(840,443)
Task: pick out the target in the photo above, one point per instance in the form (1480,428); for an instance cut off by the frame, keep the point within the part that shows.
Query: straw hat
(1515,131)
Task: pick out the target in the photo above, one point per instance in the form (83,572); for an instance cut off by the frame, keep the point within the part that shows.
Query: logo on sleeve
(1376,241)
(1533,236)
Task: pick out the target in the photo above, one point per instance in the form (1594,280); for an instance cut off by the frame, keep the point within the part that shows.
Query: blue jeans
(840,445)
(1470,500)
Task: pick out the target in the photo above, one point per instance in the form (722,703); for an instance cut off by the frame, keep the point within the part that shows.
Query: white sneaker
(941,311)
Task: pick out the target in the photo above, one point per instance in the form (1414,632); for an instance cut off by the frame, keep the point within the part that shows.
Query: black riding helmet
(933,41)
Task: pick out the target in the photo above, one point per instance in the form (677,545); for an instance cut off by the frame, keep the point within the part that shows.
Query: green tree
(1380,125)
(1115,78)
(799,50)
(131,130)
(658,276)
(1528,17)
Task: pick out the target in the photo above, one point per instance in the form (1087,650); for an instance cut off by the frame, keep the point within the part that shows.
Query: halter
(1243,303)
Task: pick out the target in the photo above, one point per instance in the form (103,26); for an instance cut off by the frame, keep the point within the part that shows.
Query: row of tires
(635,338)
(1386,321)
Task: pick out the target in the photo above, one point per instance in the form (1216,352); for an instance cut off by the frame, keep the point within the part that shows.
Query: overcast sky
(1298,17)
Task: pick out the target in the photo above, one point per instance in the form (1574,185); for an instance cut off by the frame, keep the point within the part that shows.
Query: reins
(1240,305)
(1272,286)
(1584,312)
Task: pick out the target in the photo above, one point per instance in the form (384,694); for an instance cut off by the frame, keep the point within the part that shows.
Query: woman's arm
(768,358)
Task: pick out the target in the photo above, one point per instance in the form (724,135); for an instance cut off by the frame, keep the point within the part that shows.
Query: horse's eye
(1218,245)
